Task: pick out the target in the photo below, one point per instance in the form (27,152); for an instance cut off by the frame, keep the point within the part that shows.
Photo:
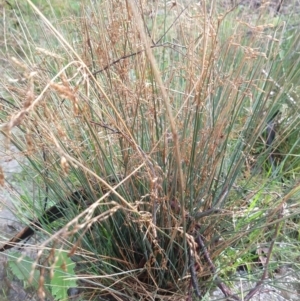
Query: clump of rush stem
(147,124)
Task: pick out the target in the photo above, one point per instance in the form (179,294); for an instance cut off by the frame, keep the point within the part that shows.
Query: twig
(208,212)
(271,134)
(167,44)
(222,286)
(279,6)
(118,60)
(172,24)
(10,103)
(46,176)
(105,126)
(9,4)
(143,50)
(253,291)
(194,281)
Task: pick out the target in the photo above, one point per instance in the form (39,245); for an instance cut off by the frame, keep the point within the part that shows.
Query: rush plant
(144,125)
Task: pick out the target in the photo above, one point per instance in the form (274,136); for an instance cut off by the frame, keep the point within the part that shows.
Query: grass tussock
(147,124)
